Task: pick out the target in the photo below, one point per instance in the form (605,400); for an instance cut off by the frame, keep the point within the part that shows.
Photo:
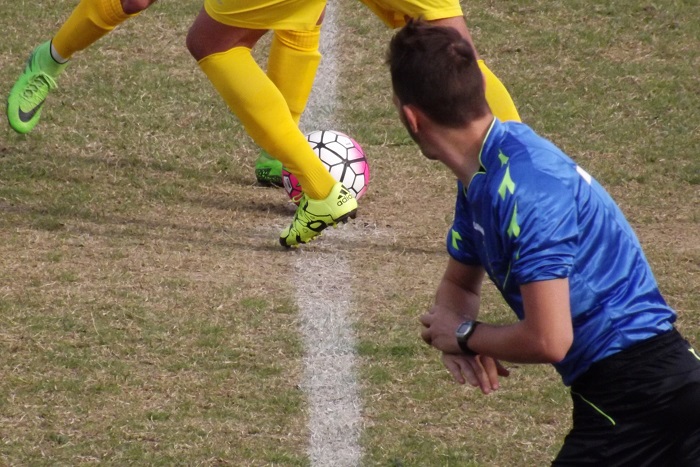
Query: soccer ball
(342,156)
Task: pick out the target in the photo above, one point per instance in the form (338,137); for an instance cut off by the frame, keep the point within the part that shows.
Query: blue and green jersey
(532,214)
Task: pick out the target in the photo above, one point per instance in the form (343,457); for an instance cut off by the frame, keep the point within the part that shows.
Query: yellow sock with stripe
(292,65)
(263,111)
(497,96)
(90,20)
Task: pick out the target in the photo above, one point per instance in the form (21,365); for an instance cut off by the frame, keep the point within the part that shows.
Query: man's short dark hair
(435,69)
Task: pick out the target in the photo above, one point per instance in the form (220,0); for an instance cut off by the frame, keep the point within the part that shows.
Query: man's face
(404,120)
(424,147)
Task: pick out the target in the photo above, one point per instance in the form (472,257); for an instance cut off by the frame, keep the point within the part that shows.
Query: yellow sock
(262,110)
(292,65)
(497,96)
(89,21)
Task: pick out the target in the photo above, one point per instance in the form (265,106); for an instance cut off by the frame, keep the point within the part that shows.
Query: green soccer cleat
(313,215)
(29,92)
(268,170)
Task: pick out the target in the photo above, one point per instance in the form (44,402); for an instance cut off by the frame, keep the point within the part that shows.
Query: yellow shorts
(290,15)
(394,12)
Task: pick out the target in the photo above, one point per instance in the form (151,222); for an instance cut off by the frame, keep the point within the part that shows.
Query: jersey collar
(492,135)
(492,139)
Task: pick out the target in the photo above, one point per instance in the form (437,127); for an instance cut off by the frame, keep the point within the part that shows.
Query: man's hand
(479,371)
(440,325)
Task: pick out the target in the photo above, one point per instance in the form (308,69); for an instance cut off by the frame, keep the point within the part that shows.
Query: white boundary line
(323,296)
(329,364)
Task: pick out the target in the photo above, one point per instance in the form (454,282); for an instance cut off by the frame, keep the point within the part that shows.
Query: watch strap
(462,340)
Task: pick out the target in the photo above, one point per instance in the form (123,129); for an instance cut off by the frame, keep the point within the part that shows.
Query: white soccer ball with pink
(342,156)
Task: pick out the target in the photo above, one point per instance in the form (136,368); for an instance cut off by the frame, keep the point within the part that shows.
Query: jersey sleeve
(460,238)
(542,227)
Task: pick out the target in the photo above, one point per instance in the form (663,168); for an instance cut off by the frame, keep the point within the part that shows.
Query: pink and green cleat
(268,170)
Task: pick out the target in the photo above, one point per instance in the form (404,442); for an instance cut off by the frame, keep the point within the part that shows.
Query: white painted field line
(324,298)
(329,365)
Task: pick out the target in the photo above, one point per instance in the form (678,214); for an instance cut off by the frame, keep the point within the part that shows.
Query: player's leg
(497,96)
(394,14)
(223,52)
(89,21)
(292,64)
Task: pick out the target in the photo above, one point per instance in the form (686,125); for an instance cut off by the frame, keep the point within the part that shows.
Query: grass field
(148,315)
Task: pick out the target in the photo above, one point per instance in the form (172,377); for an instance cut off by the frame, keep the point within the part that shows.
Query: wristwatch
(463,333)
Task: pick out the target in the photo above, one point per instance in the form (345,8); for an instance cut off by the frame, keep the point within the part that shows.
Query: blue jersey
(532,214)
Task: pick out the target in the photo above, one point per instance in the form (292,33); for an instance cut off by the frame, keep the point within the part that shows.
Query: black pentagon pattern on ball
(333,150)
(341,155)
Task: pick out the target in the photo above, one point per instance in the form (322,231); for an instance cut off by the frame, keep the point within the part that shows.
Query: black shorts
(639,407)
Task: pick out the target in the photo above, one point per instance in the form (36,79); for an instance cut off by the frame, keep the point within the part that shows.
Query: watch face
(464,332)
(464,328)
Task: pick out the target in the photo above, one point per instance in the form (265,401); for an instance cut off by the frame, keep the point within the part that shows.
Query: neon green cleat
(313,215)
(27,96)
(268,170)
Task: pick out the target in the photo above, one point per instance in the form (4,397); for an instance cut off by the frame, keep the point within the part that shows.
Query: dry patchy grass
(147,314)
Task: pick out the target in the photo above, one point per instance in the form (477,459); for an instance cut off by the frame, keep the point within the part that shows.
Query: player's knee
(304,41)
(199,43)
(135,6)
(192,45)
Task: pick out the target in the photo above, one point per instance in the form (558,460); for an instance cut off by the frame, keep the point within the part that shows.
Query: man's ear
(413,117)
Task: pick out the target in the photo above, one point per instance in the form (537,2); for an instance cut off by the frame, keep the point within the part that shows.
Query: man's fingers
(502,371)
(426,336)
(480,375)
(425,320)
(490,367)
(460,368)
(469,373)
(454,368)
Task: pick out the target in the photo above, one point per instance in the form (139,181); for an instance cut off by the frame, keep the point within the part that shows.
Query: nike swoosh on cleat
(27,116)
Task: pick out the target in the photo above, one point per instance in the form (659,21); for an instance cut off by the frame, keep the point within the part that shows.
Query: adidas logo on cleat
(344,198)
